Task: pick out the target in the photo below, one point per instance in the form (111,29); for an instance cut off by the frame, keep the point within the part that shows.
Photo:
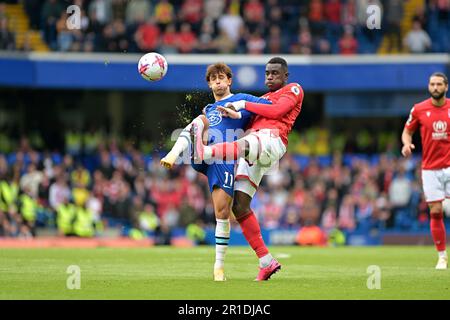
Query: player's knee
(436,210)
(436,214)
(222,210)
(240,209)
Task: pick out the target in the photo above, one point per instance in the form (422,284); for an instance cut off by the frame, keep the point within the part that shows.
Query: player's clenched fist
(407,149)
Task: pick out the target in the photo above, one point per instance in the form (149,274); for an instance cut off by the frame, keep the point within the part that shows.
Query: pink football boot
(265,273)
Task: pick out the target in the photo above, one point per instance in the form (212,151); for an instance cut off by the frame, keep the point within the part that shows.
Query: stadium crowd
(85,191)
(232,26)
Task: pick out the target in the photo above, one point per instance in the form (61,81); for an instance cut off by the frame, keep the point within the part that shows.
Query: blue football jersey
(219,125)
(221,175)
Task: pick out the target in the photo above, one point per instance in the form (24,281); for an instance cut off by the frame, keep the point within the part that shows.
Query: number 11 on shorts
(230,183)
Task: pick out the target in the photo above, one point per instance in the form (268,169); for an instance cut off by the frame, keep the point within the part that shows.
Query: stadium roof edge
(189,59)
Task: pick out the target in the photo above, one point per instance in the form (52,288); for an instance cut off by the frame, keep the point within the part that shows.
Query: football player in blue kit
(220,175)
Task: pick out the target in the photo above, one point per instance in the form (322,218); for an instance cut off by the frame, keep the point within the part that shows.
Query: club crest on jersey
(428,114)
(440,130)
(214,118)
(448,113)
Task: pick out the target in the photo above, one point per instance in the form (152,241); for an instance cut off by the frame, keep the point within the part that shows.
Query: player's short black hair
(279,60)
(441,75)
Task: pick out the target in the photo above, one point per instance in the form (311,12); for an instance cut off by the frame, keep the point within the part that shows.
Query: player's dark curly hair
(441,75)
(279,60)
(218,68)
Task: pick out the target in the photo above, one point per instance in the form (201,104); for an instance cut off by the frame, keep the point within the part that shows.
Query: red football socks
(438,231)
(225,151)
(252,232)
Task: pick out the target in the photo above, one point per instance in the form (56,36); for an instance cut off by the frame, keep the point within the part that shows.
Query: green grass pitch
(186,273)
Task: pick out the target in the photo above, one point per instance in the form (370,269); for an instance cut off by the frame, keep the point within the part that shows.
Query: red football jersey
(434,125)
(284,125)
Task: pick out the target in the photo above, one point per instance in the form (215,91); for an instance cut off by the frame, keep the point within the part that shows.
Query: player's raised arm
(286,103)
(408,146)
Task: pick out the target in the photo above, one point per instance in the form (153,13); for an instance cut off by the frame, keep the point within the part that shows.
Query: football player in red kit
(433,118)
(257,152)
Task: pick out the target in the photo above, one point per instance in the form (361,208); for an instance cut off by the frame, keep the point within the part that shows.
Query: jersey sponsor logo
(440,130)
(295,90)
(214,118)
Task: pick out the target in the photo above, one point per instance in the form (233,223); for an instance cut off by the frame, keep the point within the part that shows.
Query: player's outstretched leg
(197,130)
(437,228)
(182,143)
(268,265)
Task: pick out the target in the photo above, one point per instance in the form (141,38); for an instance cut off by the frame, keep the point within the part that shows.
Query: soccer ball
(152,66)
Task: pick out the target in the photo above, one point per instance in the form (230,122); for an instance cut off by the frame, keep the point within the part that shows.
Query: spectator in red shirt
(187,40)
(316,11)
(253,13)
(332,11)
(316,16)
(192,13)
(348,43)
(169,40)
(147,36)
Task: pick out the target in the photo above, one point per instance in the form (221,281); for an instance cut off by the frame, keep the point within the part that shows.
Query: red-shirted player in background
(257,152)
(433,118)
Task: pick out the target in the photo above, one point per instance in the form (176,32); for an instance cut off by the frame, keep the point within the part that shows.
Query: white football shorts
(267,149)
(436,184)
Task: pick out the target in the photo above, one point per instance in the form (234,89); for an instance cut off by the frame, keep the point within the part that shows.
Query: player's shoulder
(240,96)
(425,104)
(294,88)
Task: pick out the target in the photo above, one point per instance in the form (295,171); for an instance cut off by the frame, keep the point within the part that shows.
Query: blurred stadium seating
(224,26)
(84,127)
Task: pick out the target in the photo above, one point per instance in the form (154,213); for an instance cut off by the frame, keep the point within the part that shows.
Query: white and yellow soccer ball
(152,66)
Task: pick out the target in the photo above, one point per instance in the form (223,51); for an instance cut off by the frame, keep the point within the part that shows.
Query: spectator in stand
(417,40)
(7,38)
(213,9)
(332,14)
(164,13)
(275,43)
(322,46)
(348,13)
(275,17)
(31,180)
(59,193)
(348,43)
(102,9)
(400,192)
(224,43)
(303,43)
(135,9)
(206,41)
(316,16)
(232,24)
(169,40)
(51,12)
(256,43)
(191,12)
(394,15)
(186,39)
(65,36)
(253,11)
(147,36)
